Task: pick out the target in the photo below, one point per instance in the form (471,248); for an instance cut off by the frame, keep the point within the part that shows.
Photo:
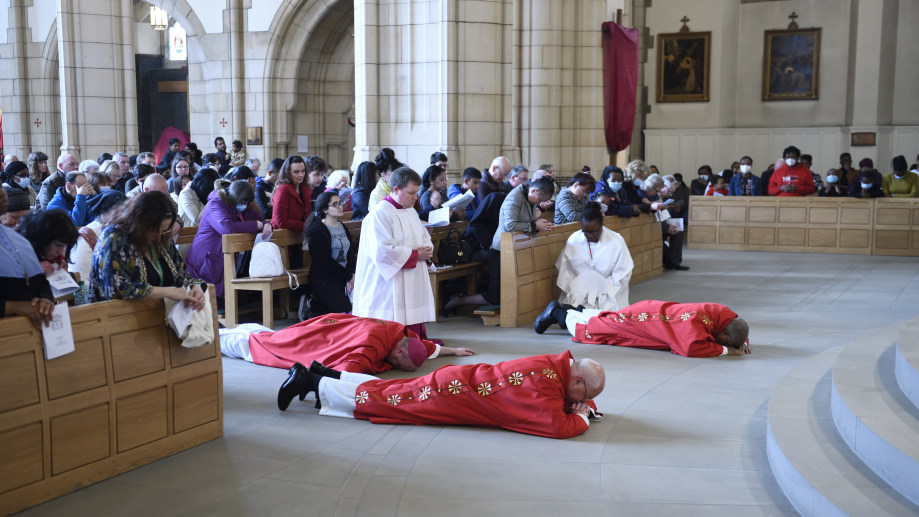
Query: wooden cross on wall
(685,28)
(793,24)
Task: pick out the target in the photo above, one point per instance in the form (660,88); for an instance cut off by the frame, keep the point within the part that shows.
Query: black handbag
(454,250)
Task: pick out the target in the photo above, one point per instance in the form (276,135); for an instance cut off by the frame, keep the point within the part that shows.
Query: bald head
(67,163)
(156,182)
(586,382)
(10,158)
(500,166)
(539,174)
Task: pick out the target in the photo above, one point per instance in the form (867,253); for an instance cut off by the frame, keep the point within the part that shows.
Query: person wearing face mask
(229,209)
(835,185)
(792,179)
(745,183)
(16,176)
(867,183)
(610,193)
(697,186)
(900,183)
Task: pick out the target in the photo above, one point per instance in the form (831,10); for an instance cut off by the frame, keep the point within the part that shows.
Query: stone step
(907,361)
(817,471)
(874,417)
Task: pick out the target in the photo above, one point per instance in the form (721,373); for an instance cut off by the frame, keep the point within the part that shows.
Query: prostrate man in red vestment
(687,329)
(793,178)
(545,395)
(342,341)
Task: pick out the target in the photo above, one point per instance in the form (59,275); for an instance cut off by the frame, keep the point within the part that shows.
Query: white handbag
(266,262)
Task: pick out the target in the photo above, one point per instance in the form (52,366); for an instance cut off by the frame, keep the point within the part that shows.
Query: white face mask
(832,178)
(23,182)
(745,169)
(615,185)
(703,177)
(791,162)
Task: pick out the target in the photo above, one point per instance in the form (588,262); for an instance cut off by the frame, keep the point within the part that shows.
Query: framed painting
(683,66)
(791,65)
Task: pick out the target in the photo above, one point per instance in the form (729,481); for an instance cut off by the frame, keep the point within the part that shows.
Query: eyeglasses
(336,204)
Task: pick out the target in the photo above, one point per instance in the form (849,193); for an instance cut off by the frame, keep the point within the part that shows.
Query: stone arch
(194,29)
(50,141)
(307,39)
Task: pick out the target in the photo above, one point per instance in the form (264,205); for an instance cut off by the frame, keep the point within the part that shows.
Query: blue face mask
(636,182)
(867,186)
(241,207)
(23,182)
(615,185)
(832,178)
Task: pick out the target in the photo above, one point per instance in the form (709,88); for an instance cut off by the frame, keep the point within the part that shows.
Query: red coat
(687,329)
(526,395)
(799,175)
(289,209)
(339,341)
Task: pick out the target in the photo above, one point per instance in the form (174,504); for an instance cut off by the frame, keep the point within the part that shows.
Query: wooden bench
(528,274)
(186,235)
(129,395)
(239,242)
(882,226)
(468,271)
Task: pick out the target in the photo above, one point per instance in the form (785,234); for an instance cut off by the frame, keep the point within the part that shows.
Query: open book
(460,202)
(439,217)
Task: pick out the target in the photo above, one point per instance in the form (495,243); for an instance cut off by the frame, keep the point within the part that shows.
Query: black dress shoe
(680,267)
(545,320)
(298,384)
(324,371)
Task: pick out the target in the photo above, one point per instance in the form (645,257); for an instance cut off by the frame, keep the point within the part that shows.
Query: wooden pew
(467,271)
(805,225)
(238,242)
(528,273)
(129,395)
(186,235)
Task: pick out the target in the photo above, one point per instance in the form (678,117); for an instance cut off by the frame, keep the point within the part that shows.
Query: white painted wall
(41,15)
(147,40)
(906,78)
(4,20)
(210,12)
(262,13)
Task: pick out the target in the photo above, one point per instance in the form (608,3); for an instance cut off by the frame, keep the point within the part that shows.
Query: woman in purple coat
(229,209)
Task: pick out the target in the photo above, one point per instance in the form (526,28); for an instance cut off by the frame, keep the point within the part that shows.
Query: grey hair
(516,170)
(637,169)
(87,166)
(738,331)
(670,180)
(251,161)
(118,155)
(653,181)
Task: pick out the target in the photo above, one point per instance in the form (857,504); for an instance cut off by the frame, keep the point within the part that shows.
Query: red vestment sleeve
(412,260)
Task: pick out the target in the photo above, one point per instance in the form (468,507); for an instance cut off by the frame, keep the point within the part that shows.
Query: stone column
(18,111)
(237,33)
(93,63)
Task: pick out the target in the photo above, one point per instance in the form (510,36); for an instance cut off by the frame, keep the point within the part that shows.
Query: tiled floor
(681,436)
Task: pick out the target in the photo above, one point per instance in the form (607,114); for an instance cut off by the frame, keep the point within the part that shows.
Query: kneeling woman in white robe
(595,267)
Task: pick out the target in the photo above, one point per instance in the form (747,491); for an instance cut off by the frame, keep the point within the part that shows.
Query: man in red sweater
(792,178)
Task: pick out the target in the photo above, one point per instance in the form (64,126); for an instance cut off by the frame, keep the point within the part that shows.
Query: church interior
(822,418)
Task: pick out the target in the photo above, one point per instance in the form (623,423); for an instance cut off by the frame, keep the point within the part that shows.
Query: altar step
(843,428)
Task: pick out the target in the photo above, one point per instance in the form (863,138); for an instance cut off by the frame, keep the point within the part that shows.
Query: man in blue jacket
(72,197)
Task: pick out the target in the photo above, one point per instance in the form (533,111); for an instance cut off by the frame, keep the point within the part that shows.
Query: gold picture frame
(791,65)
(683,66)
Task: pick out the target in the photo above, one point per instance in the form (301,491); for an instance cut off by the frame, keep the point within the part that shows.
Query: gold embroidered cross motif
(484,389)
(685,316)
(550,373)
(424,393)
(362,397)
(515,378)
(330,321)
(455,387)
(643,316)
(708,321)
(394,400)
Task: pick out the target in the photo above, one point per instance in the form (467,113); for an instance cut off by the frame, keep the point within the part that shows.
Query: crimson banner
(620,83)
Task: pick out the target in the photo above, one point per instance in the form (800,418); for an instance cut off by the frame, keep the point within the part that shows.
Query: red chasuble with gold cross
(688,329)
(340,341)
(525,395)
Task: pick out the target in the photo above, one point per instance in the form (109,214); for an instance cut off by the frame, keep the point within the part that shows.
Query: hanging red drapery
(162,145)
(620,83)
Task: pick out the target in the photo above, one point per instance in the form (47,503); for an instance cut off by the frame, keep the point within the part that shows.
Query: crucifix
(685,28)
(793,24)
(37,122)
(223,122)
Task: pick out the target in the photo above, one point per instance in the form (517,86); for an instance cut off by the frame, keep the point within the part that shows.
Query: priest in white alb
(391,282)
(594,269)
